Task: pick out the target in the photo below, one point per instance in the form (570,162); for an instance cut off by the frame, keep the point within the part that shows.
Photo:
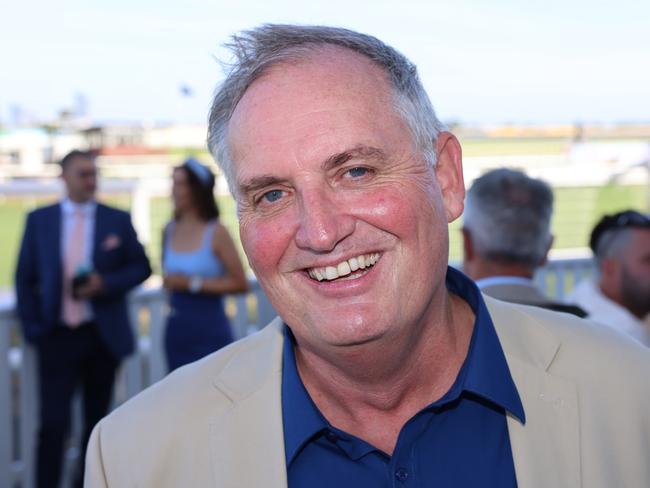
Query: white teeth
(330,273)
(344,268)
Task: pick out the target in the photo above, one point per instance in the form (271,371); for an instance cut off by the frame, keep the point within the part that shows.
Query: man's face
(342,220)
(635,273)
(80,177)
(181,190)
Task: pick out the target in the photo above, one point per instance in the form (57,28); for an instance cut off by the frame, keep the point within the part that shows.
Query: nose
(323,222)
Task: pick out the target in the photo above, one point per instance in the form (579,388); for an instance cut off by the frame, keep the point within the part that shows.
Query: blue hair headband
(201,171)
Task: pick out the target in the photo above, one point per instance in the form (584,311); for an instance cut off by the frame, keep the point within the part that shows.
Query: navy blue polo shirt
(461,440)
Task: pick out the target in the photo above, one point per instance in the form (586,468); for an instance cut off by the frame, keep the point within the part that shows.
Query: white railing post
(132,367)
(28,414)
(6,406)
(157,316)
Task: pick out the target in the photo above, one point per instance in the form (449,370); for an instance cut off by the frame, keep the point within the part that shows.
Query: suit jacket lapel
(546,449)
(252,382)
(55,231)
(99,210)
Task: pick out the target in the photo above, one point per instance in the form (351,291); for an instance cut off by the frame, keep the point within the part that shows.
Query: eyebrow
(360,151)
(332,162)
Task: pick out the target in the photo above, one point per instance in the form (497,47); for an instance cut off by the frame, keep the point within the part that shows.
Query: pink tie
(73,310)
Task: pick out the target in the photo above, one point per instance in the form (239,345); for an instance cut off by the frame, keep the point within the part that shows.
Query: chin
(353,330)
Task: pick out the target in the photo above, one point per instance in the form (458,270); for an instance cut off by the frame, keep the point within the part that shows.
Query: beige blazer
(218,422)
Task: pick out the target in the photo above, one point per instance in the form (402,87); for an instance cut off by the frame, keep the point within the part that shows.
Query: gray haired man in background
(385,367)
(507,236)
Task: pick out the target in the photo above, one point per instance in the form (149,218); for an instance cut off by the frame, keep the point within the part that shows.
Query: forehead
(179,173)
(334,96)
(79,162)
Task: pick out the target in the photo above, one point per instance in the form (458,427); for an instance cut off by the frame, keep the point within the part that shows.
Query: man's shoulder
(204,387)
(45,211)
(188,424)
(576,348)
(113,212)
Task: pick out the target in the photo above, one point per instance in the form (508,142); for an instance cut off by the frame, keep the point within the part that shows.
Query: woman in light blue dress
(200,264)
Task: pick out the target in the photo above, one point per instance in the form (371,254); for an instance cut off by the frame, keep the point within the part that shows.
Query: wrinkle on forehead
(311,79)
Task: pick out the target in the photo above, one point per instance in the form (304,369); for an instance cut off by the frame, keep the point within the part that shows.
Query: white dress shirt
(601,309)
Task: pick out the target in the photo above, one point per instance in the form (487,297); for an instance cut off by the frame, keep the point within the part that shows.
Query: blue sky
(486,62)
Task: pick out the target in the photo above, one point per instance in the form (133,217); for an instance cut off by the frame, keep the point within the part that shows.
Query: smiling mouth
(350,267)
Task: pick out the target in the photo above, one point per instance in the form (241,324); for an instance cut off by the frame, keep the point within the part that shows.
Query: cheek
(264,242)
(398,210)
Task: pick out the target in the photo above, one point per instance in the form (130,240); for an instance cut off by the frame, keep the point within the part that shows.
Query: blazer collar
(546,449)
(252,382)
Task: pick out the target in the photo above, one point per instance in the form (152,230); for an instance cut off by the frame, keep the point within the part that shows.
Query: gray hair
(257,50)
(508,216)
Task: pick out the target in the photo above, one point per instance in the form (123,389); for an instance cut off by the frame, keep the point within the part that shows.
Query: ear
(449,172)
(609,268)
(548,248)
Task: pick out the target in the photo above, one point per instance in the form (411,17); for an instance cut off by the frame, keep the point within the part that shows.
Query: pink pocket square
(111,242)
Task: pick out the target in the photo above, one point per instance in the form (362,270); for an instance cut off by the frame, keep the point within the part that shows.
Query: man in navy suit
(78,260)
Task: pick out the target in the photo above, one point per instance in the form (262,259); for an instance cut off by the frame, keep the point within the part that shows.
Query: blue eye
(272,196)
(357,172)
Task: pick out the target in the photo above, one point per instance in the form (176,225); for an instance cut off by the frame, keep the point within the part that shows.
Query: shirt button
(331,436)
(401,474)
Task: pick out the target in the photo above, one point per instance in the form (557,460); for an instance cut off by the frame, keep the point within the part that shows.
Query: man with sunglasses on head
(77,262)
(620,295)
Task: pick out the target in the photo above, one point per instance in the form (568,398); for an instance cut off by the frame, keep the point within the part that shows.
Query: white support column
(141,210)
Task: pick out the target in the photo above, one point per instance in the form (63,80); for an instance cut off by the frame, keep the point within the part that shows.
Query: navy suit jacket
(39,275)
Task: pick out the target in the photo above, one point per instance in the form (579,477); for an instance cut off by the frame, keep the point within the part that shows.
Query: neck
(480,269)
(79,201)
(190,215)
(372,390)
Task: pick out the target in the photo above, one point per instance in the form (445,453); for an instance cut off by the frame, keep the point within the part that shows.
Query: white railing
(18,391)
(249,312)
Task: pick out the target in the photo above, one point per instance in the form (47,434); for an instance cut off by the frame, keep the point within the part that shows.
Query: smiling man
(385,367)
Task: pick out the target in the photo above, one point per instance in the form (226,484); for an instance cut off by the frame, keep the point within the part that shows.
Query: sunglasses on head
(624,220)
(630,218)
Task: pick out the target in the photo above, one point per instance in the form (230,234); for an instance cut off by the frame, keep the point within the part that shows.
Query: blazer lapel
(252,382)
(99,213)
(53,244)
(546,449)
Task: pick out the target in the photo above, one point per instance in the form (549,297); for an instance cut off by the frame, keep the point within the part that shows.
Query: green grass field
(519,146)
(576,211)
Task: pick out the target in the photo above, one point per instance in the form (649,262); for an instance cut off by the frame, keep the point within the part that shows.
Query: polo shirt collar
(301,418)
(485,371)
